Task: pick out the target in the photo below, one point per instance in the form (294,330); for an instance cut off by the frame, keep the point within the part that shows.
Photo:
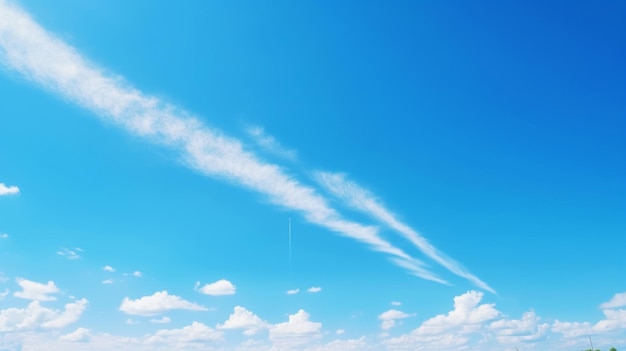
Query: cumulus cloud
(448,330)
(157,303)
(618,300)
(297,331)
(137,274)
(36,291)
(517,331)
(78,335)
(363,200)
(218,288)
(241,318)
(314,289)
(614,320)
(108,268)
(70,254)
(389,318)
(293,291)
(36,316)
(8,190)
(41,57)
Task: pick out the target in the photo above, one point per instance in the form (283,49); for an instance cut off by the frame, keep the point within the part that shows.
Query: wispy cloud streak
(270,144)
(38,55)
(363,200)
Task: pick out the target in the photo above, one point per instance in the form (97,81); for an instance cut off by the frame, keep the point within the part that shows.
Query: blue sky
(453,173)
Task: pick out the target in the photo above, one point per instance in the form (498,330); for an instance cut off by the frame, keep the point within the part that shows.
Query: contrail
(361,199)
(41,57)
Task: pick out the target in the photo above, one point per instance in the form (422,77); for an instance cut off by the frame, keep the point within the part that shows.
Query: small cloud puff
(70,254)
(314,289)
(8,190)
(218,288)
(108,281)
(4,236)
(108,268)
(389,318)
(137,274)
(293,291)
(163,320)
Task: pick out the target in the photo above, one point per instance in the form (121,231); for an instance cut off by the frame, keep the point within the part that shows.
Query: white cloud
(4,236)
(72,313)
(517,331)
(137,274)
(615,320)
(361,199)
(70,254)
(39,56)
(8,190)
(218,288)
(340,332)
(241,318)
(107,281)
(196,336)
(467,312)
(299,330)
(392,314)
(293,291)
(270,144)
(78,335)
(196,332)
(108,268)
(157,303)
(36,291)
(389,318)
(396,303)
(36,316)
(4,294)
(163,320)
(448,330)
(314,289)
(618,300)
